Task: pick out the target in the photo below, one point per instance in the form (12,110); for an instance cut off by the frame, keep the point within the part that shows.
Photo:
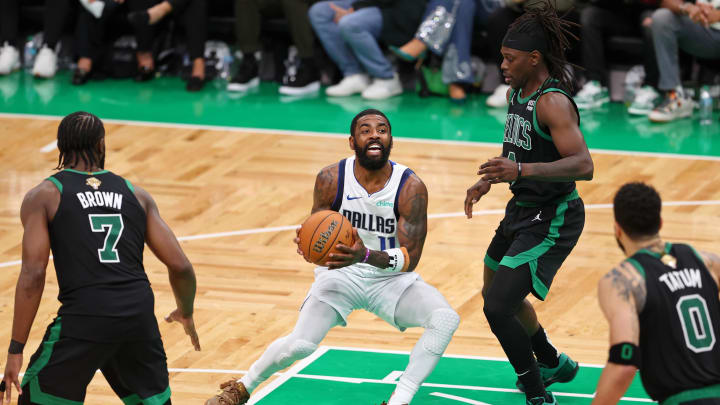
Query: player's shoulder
(46,189)
(413,188)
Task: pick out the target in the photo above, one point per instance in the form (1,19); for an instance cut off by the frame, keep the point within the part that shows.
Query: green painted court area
(355,376)
(165,100)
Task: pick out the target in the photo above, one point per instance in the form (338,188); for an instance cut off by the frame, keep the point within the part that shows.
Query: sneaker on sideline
(9,59)
(645,100)
(45,63)
(674,106)
(498,98)
(247,75)
(381,89)
(349,85)
(592,95)
(301,77)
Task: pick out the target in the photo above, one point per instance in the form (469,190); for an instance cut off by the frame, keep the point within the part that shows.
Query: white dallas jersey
(375,216)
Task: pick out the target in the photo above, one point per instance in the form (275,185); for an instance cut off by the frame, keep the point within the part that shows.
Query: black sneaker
(301,77)
(246,76)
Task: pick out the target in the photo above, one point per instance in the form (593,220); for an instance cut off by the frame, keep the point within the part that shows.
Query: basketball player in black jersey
(96,224)
(544,153)
(663,310)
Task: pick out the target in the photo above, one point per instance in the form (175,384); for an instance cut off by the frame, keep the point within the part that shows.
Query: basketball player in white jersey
(387,206)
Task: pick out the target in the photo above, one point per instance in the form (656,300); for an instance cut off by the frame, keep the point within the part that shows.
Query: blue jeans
(352,43)
(671,33)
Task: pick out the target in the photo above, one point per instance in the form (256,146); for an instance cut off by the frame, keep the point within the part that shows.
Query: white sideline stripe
(335,135)
(431,216)
(292,371)
(393,376)
(459,399)
(49,147)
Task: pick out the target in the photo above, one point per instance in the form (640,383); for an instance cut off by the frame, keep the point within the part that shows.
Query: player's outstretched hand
(188,324)
(474,193)
(499,170)
(11,377)
(347,255)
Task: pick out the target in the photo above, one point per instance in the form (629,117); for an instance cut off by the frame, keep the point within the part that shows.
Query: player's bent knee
(297,350)
(440,326)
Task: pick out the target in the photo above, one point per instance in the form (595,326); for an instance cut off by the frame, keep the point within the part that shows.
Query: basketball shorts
(62,367)
(345,291)
(540,237)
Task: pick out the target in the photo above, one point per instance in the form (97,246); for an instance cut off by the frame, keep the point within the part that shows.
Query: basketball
(320,234)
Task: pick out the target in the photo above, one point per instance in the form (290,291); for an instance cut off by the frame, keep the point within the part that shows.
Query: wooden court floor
(212,182)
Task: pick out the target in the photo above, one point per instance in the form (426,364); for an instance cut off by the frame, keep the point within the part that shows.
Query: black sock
(532,382)
(545,352)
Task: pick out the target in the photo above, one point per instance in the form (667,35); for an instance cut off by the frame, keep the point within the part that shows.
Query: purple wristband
(367,255)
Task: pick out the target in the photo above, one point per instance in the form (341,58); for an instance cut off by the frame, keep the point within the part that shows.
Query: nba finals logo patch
(531,105)
(93,182)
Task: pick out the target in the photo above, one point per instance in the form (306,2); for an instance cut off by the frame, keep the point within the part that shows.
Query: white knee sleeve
(296,350)
(440,326)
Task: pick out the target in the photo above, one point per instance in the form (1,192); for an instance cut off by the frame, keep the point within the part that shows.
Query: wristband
(625,353)
(399,260)
(367,255)
(16,347)
(519,170)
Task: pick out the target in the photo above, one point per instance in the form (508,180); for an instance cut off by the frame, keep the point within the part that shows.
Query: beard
(373,163)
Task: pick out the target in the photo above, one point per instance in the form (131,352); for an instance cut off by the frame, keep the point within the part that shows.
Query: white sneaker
(592,95)
(498,99)
(675,106)
(380,89)
(645,100)
(9,59)
(45,63)
(349,85)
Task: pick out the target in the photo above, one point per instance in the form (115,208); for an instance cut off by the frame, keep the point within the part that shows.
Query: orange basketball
(320,234)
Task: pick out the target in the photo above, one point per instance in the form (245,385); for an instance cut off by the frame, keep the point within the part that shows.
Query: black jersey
(97,239)
(680,322)
(526,142)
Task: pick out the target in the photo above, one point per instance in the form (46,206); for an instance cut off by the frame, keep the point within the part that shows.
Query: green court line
(360,376)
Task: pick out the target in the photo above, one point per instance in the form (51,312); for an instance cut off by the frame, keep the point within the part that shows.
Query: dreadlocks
(541,15)
(77,139)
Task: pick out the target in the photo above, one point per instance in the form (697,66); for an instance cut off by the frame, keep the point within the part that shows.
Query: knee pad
(296,350)
(439,329)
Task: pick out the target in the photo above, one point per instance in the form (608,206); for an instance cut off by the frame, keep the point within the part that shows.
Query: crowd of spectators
(369,42)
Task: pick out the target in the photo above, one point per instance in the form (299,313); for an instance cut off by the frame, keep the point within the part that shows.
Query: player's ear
(351,142)
(535,58)
(618,230)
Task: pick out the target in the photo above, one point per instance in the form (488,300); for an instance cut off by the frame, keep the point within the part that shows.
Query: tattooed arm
(325,188)
(412,225)
(622,295)
(712,262)
(411,231)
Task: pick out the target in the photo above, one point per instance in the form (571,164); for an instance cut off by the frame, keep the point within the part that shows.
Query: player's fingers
(169,318)
(16,383)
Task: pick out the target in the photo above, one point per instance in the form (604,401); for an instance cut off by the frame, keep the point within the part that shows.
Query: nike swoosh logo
(353,198)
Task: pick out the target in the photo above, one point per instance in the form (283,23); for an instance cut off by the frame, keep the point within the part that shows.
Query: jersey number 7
(113,225)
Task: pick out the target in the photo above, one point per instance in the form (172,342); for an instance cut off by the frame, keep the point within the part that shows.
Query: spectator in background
(145,14)
(301,74)
(446,30)
(498,22)
(694,28)
(600,20)
(9,40)
(349,30)
(58,14)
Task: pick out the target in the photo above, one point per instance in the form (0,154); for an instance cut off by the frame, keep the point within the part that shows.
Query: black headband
(526,41)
